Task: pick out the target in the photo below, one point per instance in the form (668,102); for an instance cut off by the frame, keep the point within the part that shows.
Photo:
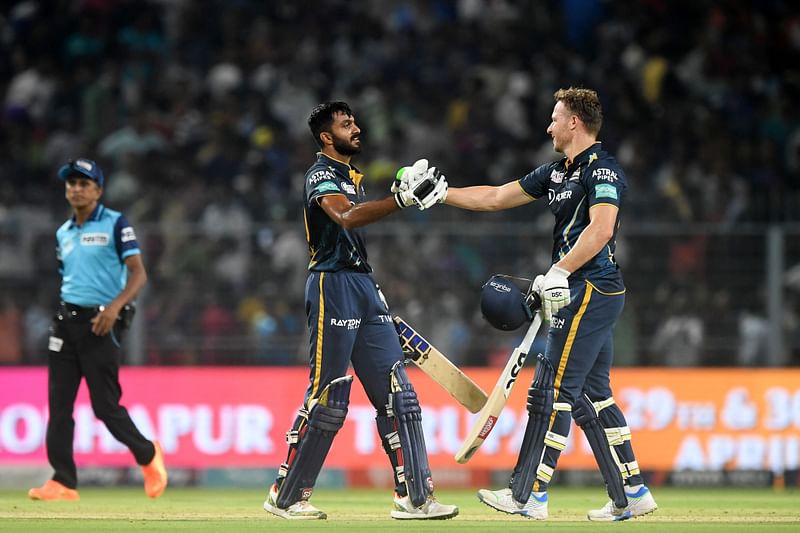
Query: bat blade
(439,368)
(487,418)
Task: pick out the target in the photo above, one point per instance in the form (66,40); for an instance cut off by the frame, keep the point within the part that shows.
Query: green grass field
(351,510)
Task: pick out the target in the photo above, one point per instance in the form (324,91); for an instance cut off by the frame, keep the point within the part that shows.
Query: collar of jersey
(98,211)
(583,156)
(350,170)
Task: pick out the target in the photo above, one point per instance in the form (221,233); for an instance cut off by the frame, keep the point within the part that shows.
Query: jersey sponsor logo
(575,175)
(320,175)
(557,323)
(605,174)
(556,176)
(349,189)
(94,239)
(605,190)
(349,323)
(553,197)
(327,186)
(127,234)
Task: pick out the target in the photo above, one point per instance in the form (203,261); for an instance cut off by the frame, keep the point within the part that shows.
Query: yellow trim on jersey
(320,328)
(356,177)
(603,203)
(334,159)
(572,223)
(519,182)
(305,225)
(606,293)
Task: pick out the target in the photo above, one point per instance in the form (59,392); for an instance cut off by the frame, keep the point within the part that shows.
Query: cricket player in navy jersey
(102,271)
(582,296)
(350,324)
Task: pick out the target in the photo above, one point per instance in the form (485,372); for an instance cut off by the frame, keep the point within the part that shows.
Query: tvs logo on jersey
(605,174)
(94,239)
(556,176)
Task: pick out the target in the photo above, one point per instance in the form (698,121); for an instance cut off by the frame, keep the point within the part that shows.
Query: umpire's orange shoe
(53,490)
(155,474)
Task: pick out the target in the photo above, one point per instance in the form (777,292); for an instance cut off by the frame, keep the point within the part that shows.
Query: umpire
(101,272)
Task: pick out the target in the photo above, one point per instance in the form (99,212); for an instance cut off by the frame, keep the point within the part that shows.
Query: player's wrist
(398,199)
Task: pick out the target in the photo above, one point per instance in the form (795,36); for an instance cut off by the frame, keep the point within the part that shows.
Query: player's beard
(345,147)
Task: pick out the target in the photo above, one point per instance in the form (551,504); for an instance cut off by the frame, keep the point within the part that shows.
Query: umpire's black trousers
(75,353)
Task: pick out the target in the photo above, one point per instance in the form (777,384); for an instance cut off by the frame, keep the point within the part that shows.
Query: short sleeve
(537,183)
(125,238)
(604,185)
(321,183)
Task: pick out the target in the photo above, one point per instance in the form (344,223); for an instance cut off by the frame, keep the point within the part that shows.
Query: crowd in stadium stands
(197,112)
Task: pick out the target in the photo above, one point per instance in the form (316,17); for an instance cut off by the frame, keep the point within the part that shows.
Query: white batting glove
(537,284)
(409,177)
(554,291)
(439,192)
(405,198)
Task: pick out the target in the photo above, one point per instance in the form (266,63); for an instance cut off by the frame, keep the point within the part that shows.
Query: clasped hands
(419,185)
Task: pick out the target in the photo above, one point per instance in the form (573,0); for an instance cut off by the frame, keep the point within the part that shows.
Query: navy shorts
(580,343)
(350,323)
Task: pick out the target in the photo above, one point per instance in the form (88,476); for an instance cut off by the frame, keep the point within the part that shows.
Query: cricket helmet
(503,304)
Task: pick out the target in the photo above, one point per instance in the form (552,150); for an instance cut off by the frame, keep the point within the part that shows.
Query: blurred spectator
(198,110)
(10,328)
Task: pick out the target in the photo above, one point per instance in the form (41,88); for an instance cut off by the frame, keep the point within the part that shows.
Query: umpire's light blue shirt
(92,257)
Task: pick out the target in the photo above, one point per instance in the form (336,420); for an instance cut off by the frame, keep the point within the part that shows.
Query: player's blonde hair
(585,104)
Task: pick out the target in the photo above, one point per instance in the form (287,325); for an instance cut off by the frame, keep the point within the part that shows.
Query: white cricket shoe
(502,500)
(300,510)
(640,502)
(430,510)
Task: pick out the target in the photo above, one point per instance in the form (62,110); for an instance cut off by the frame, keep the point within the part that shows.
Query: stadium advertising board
(692,419)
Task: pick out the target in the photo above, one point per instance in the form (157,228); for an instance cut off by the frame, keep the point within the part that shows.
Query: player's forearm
(366,213)
(477,198)
(593,239)
(488,197)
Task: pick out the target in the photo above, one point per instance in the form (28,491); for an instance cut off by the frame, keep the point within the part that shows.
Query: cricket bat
(487,418)
(439,368)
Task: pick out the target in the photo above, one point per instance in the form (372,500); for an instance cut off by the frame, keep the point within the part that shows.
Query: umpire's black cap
(503,304)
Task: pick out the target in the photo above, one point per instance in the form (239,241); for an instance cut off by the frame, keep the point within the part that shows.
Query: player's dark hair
(321,118)
(585,104)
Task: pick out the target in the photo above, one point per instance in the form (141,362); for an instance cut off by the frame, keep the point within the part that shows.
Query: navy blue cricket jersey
(330,246)
(92,257)
(593,178)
